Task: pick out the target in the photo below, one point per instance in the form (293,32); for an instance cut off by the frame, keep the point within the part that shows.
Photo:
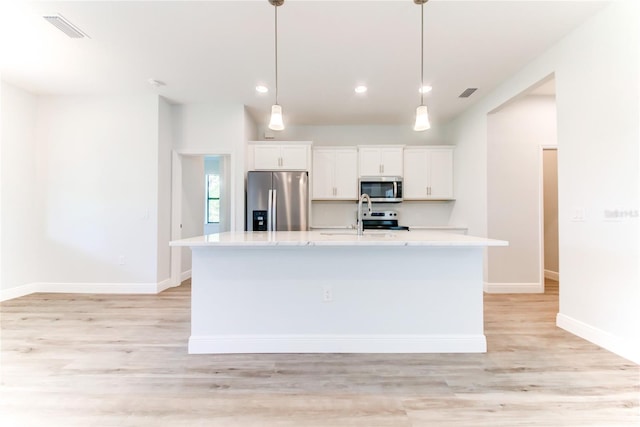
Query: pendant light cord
(421,54)
(276,32)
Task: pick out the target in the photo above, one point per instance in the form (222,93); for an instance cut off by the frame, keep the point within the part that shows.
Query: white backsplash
(343,214)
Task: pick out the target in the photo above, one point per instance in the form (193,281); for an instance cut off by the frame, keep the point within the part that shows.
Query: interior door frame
(176,203)
(541,209)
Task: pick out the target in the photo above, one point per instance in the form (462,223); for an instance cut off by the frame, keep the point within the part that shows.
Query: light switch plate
(579,214)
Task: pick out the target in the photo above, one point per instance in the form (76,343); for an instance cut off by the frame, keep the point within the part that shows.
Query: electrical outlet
(121,260)
(327,294)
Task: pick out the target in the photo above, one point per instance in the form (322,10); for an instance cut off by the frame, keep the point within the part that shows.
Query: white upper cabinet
(381,161)
(334,174)
(267,156)
(290,156)
(428,173)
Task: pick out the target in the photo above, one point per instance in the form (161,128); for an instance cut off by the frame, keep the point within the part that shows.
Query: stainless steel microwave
(382,189)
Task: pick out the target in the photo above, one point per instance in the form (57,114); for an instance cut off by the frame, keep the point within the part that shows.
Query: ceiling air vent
(468,92)
(65,26)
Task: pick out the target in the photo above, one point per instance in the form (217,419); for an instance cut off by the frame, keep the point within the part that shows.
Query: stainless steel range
(381,220)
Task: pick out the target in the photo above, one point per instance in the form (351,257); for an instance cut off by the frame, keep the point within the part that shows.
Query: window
(213,198)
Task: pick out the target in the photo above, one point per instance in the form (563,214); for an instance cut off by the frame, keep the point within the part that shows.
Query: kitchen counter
(333,291)
(338,237)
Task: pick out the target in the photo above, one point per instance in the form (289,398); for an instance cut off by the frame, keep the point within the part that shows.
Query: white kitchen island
(334,291)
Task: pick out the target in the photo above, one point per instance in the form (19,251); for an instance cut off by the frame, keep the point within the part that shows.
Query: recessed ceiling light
(360,89)
(262,89)
(425,89)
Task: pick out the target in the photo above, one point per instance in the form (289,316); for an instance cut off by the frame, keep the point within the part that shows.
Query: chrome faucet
(360,224)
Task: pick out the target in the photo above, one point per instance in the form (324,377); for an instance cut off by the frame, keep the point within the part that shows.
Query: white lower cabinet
(335,174)
(428,173)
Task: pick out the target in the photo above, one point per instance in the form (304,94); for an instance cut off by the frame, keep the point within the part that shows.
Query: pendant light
(422,114)
(276,122)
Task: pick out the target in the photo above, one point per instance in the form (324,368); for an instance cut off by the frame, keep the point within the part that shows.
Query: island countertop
(332,291)
(337,238)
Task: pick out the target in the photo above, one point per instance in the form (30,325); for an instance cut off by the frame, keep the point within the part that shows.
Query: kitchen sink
(369,233)
(338,233)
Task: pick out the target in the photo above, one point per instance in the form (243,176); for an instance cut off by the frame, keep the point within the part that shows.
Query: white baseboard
(18,291)
(85,288)
(99,288)
(553,275)
(513,288)
(185,275)
(217,344)
(627,348)
(165,284)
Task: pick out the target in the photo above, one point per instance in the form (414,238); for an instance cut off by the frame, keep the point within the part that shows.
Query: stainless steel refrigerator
(277,201)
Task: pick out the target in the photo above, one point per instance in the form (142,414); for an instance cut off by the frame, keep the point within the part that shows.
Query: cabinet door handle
(382,168)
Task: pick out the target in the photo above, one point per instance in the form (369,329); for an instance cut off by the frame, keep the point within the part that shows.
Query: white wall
(98,164)
(85,193)
(515,136)
(598,164)
(1,193)
(215,129)
(356,135)
(20,195)
(164,189)
(250,126)
(193,202)
(470,172)
(596,70)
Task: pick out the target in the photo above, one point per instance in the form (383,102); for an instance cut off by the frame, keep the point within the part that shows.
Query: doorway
(549,215)
(516,131)
(201,203)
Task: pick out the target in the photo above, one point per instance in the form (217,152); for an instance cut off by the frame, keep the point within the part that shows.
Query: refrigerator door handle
(274,210)
(269,210)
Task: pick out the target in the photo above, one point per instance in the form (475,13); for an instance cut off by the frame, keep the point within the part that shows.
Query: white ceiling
(218,51)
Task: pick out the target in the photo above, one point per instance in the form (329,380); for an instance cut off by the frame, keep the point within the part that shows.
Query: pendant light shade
(276,118)
(276,122)
(422,118)
(422,114)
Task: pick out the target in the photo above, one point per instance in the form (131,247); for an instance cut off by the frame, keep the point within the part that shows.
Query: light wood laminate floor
(115,360)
